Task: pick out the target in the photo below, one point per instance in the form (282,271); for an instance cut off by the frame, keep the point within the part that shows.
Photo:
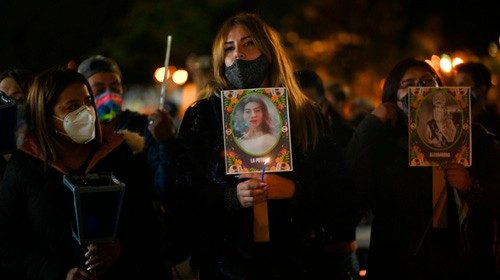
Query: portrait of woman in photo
(440,130)
(257,125)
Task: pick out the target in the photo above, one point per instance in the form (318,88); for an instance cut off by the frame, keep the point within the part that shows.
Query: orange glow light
(456,61)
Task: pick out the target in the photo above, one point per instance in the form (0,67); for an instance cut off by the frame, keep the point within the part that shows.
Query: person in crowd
(149,137)
(408,241)
(478,77)
(311,83)
(337,98)
(105,77)
(440,130)
(248,53)
(258,135)
(343,245)
(16,83)
(359,108)
(36,212)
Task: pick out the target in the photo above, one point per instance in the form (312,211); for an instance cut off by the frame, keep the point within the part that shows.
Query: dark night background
(350,36)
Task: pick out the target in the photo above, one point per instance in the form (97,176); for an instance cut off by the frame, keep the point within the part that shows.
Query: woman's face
(12,89)
(253,114)
(72,98)
(239,45)
(414,77)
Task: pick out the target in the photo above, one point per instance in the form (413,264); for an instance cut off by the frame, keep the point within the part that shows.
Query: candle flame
(266,160)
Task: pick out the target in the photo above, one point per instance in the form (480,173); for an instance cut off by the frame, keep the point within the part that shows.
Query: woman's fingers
(251,192)
(95,260)
(458,176)
(102,255)
(252,200)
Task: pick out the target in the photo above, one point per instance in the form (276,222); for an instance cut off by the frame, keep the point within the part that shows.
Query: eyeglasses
(423,82)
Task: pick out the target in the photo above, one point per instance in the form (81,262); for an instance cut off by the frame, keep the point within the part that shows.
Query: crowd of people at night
(181,207)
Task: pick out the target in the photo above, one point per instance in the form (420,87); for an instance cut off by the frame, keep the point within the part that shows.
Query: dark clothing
(160,158)
(491,121)
(157,156)
(401,200)
(35,217)
(3,164)
(223,229)
(339,258)
(342,131)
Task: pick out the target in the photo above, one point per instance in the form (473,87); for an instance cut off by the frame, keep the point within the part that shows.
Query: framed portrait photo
(256,128)
(439,126)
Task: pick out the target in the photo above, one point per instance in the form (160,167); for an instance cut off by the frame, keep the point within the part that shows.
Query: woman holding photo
(248,53)
(428,222)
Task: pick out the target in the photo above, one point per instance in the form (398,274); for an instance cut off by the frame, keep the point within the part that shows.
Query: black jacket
(35,214)
(223,229)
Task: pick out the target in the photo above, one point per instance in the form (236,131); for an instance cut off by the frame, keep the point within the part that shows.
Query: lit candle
(264,170)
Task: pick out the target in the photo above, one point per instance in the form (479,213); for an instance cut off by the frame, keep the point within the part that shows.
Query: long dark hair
(281,74)
(42,97)
(391,84)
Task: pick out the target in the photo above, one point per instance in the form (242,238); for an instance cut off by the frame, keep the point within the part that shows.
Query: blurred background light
(493,49)
(180,76)
(456,61)
(445,63)
(160,73)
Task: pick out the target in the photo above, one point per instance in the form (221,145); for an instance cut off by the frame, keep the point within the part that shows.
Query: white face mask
(80,124)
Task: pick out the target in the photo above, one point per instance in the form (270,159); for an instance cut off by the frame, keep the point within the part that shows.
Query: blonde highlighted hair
(305,127)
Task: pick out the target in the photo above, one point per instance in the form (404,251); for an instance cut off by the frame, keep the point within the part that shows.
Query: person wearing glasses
(406,241)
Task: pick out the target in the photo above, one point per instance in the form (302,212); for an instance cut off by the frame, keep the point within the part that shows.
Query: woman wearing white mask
(64,138)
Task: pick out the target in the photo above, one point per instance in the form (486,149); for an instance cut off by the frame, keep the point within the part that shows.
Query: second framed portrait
(440,126)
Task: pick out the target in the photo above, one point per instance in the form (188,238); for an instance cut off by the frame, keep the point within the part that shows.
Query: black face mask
(247,73)
(405,102)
